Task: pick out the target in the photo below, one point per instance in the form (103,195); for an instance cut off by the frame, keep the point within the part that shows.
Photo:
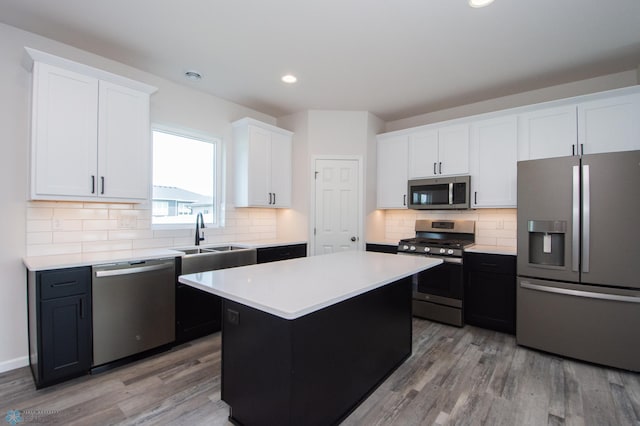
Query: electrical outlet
(500,224)
(56,224)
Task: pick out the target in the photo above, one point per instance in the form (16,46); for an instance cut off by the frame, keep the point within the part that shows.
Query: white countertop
(41,263)
(60,261)
(294,288)
(383,242)
(261,243)
(505,250)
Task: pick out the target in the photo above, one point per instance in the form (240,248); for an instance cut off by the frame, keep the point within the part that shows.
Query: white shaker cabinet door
(123,143)
(609,125)
(494,146)
(423,154)
(392,172)
(259,167)
(548,133)
(453,150)
(64,133)
(281,170)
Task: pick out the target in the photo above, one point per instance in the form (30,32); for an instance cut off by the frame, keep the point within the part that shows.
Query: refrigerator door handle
(575,243)
(580,293)
(586,217)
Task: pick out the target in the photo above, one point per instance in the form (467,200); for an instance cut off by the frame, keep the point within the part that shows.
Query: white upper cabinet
(393,154)
(494,157)
(90,136)
(423,154)
(262,164)
(439,152)
(547,133)
(64,133)
(609,125)
(123,142)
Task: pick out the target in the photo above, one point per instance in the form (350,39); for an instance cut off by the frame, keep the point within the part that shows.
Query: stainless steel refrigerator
(578,290)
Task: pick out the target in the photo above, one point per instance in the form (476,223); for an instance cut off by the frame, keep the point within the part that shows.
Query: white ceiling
(394,58)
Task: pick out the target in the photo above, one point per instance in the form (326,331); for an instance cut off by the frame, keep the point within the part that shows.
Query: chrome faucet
(199,226)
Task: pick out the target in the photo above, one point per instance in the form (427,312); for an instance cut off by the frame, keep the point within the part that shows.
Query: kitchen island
(304,341)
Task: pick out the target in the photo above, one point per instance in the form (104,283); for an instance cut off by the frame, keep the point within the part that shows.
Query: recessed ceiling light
(193,75)
(289,78)
(480,3)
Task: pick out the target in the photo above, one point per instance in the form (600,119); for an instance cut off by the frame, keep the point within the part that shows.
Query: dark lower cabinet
(273,254)
(59,324)
(382,248)
(198,313)
(490,291)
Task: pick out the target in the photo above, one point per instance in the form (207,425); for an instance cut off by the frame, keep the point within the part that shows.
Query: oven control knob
(450,251)
(412,248)
(442,251)
(427,249)
(405,247)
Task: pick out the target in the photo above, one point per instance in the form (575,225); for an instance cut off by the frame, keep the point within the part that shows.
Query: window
(185,179)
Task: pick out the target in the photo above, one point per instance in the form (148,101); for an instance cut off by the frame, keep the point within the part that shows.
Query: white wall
(328,133)
(583,87)
(173,104)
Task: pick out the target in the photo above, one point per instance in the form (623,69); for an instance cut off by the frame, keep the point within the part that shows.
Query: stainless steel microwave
(439,193)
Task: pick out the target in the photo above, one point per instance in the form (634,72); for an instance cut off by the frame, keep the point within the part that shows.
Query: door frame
(312,199)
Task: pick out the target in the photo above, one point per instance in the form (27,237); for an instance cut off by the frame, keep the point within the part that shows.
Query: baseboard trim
(12,364)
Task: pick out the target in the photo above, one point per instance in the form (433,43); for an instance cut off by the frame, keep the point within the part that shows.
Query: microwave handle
(451,193)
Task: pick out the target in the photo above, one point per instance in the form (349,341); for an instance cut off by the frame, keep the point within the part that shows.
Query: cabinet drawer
(64,282)
(497,263)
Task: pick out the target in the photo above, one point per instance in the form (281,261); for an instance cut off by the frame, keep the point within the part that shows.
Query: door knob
(353,239)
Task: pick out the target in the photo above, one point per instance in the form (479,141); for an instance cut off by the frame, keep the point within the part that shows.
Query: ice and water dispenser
(547,242)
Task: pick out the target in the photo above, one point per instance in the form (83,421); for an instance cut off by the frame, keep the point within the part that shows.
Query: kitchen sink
(201,259)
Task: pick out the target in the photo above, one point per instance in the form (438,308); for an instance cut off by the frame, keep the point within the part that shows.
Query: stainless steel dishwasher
(133,308)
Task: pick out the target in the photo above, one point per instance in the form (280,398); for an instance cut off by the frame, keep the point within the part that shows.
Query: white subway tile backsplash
(53,249)
(58,227)
(130,235)
(97,246)
(493,226)
(39,213)
(82,214)
(39,225)
(79,236)
(39,238)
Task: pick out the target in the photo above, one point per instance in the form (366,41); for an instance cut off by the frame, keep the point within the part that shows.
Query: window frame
(218,187)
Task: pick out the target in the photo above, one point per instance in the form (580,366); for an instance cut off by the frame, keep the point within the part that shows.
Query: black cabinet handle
(93,184)
(440,167)
(270,199)
(63,284)
(434,168)
(274,198)
(573,149)
(102,184)
(475,197)
(404,200)
(581,149)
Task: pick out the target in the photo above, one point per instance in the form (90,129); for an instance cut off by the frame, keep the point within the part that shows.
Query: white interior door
(337,205)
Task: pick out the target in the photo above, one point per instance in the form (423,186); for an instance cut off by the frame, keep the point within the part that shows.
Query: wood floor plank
(455,376)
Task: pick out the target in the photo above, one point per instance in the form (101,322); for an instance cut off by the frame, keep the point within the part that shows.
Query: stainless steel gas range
(437,292)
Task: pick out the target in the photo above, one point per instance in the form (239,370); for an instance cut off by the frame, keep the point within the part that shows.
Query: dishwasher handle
(134,270)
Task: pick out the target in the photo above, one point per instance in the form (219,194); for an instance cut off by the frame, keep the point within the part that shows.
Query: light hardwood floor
(455,376)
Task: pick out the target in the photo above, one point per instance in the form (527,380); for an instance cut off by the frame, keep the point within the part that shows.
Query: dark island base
(316,369)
